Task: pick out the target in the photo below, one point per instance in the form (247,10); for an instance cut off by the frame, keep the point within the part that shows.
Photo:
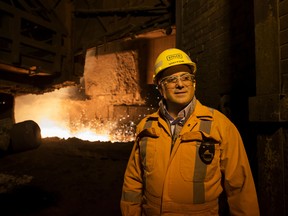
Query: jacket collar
(203,112)
(200,111)
(183,115)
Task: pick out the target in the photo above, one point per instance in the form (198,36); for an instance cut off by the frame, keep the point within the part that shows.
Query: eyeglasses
(171,81)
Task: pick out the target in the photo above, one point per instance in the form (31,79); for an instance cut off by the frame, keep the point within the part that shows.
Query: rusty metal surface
(272,160)
(268,108)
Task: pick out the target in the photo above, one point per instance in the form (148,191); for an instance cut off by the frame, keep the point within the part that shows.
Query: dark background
(64,177)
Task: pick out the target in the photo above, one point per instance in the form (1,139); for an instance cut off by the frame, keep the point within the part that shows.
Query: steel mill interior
(76,79)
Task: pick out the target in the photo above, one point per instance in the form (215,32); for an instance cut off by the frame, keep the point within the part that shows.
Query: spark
(53,114)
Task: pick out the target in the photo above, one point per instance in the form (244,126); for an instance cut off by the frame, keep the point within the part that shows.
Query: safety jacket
(207,157)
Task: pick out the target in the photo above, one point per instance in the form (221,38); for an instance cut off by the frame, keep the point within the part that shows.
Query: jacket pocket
(147,140)
(199,158)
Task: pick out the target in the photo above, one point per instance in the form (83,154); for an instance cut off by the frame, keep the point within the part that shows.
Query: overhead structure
(35,45)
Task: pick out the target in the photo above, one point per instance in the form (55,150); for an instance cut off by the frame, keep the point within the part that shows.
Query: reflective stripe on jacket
(187,179)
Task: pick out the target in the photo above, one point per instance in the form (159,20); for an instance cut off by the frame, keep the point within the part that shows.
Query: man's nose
(179,83)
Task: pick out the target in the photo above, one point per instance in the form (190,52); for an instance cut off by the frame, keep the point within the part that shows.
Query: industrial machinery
(43,43)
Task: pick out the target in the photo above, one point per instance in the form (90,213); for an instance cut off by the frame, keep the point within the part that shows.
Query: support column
(268,110)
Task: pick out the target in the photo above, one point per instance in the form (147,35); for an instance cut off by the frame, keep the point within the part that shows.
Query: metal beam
(33,71)
(122,12)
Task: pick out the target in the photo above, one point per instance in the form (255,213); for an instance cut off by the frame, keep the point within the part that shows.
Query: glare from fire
(54,111)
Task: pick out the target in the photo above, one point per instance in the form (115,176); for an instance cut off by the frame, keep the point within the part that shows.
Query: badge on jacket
(207,152)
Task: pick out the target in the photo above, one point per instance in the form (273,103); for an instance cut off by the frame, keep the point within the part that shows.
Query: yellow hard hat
(172,57)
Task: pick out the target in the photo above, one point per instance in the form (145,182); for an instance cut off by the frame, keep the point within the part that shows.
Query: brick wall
(283,17)
(219,36)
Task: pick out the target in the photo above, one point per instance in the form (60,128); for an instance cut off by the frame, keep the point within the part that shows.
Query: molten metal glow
(57,118)
(53,128)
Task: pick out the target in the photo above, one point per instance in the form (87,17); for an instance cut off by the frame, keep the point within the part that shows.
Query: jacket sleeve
(238,180)
(131,200)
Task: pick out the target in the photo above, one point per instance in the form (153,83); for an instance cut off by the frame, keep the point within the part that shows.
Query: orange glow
(56,116)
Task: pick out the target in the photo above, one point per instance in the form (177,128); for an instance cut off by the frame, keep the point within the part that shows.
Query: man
(186,154)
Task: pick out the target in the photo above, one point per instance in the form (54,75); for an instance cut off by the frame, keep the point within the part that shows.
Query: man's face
(177,89)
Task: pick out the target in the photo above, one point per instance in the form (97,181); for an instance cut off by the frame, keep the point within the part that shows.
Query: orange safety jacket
(207,157)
